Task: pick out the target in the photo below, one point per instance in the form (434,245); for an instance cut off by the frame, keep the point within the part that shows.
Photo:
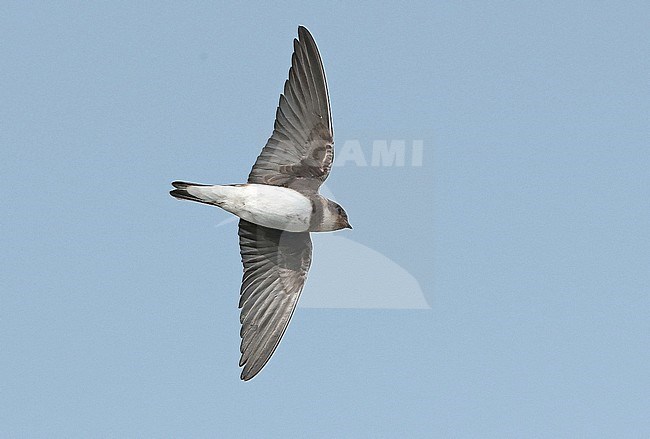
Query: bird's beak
(348,226)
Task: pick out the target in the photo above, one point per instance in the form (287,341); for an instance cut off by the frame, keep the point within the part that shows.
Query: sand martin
(279,206)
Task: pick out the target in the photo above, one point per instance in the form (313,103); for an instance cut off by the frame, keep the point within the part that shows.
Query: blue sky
(525,229)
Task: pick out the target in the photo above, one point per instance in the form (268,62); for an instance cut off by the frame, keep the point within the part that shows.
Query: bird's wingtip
(303,32)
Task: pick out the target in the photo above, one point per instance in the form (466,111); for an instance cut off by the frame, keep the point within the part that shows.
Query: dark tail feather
(181,191)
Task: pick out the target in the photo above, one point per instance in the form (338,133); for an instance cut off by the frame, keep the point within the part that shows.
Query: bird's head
(339,218)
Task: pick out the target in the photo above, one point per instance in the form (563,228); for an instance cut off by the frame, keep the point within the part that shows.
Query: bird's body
(269,206)
(279,206)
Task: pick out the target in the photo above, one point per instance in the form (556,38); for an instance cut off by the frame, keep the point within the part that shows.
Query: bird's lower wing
(275,269)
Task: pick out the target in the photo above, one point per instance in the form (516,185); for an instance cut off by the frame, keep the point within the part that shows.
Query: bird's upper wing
(299,153)
(275,269)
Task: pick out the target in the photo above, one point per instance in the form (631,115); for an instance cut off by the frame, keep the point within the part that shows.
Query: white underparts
(269,206)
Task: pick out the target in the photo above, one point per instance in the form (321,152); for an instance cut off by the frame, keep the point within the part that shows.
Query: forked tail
(188,191)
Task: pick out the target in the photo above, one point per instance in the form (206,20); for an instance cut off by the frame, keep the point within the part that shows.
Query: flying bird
(279,206)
